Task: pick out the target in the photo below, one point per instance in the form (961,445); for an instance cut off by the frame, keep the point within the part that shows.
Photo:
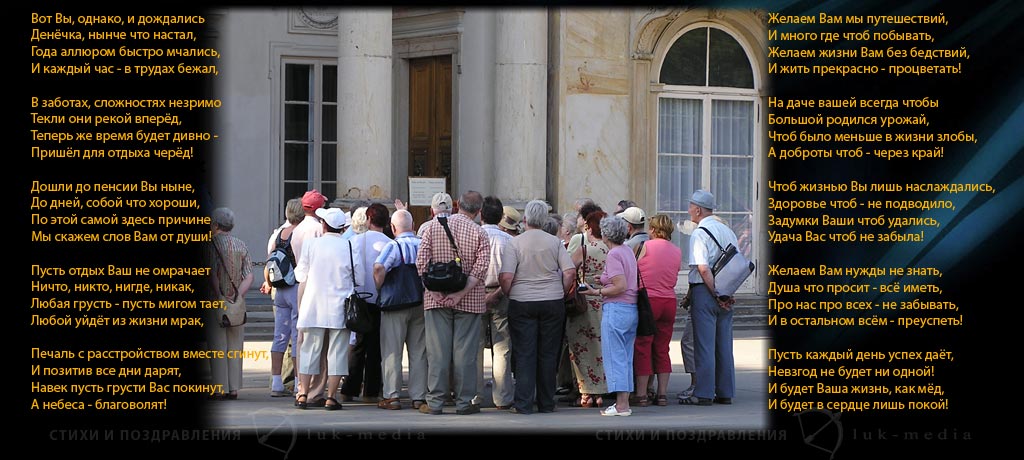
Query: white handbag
(731,269)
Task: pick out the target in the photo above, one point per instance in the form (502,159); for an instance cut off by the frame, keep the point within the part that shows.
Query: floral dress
(583,332)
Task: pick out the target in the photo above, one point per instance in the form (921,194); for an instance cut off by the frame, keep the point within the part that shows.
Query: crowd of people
(480,277)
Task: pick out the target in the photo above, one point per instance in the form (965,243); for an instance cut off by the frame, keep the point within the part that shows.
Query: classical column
(520,104)
(364,103)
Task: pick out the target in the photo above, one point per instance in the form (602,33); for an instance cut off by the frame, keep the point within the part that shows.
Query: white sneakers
(611,411)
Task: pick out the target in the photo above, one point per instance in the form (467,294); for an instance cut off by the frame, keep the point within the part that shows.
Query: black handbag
(645,316)
(357,310)
(446,277)
(402,287)
(576,302)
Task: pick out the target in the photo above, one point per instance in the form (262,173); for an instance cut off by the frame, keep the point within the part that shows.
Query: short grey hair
(402,220)
(615,229)
(223,218)
(536,213)
(551,226)
(293,211)
(471,202)
(569,222)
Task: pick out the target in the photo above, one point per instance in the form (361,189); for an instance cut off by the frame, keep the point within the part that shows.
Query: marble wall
(591,153)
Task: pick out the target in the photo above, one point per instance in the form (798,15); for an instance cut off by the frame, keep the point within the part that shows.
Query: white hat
(634,215)
(333,217)
(441,202)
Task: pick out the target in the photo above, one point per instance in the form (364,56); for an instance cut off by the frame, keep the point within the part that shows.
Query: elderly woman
(286,308)
(658,261)
(583,332)
(231,278)
(568,227)
(619,315)
(536,272)
(325,275)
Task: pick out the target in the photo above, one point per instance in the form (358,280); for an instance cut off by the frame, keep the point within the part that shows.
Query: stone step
(749,312)
(259,316)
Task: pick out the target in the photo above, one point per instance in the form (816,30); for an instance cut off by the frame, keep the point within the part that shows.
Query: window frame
(708,94)
(314,162)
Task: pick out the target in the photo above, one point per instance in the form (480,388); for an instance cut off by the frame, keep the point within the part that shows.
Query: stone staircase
(260,316)
(750,312)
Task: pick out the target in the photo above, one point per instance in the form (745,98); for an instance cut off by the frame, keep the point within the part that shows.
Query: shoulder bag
(402,287)
(576,302)
(645,316)
(446,277)
(731,269)
(357,312)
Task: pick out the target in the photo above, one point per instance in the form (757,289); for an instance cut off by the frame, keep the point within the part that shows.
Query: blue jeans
(618,334)
(712,345)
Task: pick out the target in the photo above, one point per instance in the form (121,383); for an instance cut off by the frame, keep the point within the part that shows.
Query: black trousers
(536,329)
(364,361)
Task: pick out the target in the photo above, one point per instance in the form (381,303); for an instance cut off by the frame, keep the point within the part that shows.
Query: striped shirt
(409,245)
(230,259)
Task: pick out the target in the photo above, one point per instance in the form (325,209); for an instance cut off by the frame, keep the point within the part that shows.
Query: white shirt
(367,246)
(309,228)
(325,269)
(704,251)
(499,238)
(272,242)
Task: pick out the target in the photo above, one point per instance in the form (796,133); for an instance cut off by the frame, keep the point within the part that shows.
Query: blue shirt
(410,247)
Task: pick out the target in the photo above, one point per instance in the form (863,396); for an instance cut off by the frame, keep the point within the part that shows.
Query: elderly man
(401,326)
(711,313)
(637,220)
(327,273)
(307,230)
(499,233)
(231,278)
(511,221)
(440,206)
(453,318)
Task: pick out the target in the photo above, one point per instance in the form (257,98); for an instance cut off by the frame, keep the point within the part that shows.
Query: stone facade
(546,103)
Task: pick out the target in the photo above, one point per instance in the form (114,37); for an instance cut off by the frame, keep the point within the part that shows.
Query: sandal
(662,400)
(599,401)
(303,403)
(584,401)
(416,403)
(640,401)
(695,401)
(335,406)
(390,404)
